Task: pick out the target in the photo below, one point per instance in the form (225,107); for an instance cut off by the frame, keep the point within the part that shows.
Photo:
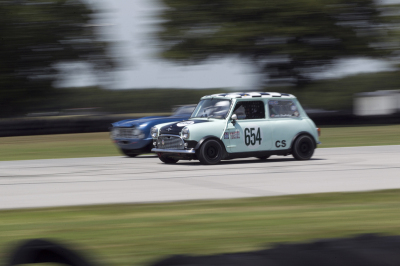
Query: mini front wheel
(303,148)
(210,152)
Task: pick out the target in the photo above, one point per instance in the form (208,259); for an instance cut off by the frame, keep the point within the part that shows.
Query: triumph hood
(153,120)
(136,122)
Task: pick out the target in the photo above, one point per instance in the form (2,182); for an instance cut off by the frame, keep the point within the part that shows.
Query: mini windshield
(212,108)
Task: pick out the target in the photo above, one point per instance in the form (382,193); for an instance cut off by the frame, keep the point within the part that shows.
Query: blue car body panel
(144,124)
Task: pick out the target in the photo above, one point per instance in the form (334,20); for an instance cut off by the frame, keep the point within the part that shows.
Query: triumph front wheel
(166,159)
(130,153)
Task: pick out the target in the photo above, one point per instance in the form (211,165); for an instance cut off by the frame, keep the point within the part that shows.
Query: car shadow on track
(248,161)
(141,157)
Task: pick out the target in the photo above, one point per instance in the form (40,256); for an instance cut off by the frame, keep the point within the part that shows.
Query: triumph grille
(170,143)
(126,133)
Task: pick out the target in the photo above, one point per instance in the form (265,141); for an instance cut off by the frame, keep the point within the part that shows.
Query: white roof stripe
(250,95)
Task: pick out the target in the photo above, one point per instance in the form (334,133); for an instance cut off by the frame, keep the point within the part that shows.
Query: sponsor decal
(226,135)
(185,123)
(296,114)
(293,108)
(235,135)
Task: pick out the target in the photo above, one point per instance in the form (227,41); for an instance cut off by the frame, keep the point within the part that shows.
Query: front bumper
(132,144)
(191,151)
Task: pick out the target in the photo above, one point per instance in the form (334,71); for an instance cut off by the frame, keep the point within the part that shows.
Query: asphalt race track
(105,180)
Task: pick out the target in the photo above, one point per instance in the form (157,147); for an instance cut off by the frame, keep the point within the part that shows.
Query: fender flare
(300,134)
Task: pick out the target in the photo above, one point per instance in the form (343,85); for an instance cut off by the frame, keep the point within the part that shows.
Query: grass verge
(57,146)
(99,144)
(360,136)
(139,234)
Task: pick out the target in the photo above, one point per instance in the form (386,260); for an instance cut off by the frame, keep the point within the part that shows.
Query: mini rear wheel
(210,152)
(166,159)
(303,148)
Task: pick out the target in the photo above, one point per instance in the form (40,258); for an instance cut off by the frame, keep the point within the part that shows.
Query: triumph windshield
(212,108)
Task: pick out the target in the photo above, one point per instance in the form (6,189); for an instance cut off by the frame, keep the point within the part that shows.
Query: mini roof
(233,95)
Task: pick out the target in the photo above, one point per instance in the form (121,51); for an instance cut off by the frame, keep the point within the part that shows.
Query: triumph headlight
(185,133)
(154,132)
(114,133)
(136,132)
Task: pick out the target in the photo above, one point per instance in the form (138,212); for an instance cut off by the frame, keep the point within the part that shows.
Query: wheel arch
(200,142)
(301,134)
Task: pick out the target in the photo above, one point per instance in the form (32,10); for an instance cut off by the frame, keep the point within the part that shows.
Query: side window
(282,109)
(249,110)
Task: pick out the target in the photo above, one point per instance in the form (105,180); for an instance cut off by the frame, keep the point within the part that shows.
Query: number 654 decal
(252,136)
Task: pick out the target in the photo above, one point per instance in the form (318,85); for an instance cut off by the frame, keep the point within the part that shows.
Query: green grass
(99,144)
(139,234)
(360,136)
(57,146)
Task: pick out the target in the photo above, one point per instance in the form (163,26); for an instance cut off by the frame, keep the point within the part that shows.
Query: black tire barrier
(45,251)
(366,250)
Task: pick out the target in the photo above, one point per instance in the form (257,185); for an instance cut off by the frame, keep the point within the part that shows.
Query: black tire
(303,148)
(166,159)
(211,152)
(263,157)
(130,153)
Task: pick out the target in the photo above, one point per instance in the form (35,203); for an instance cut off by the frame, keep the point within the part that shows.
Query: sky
(130,23)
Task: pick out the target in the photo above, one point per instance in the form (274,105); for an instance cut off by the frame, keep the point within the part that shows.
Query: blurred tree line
(36,35)
(330,94)
(126,101)
(289,42)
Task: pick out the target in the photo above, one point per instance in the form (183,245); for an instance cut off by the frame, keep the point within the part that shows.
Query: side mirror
(234,118)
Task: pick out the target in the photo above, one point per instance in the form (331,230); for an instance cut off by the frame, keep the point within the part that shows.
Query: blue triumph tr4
(132,136)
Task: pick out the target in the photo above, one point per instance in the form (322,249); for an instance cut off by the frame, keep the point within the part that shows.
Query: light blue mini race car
(238,125)
(132,136)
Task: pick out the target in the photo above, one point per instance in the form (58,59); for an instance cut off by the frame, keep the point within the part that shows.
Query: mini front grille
(170,143)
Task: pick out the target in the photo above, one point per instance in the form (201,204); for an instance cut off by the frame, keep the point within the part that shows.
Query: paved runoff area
(108,180)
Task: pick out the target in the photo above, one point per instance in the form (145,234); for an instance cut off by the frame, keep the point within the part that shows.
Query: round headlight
(115,133)
(154,132)
(185,133)
(136,132)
